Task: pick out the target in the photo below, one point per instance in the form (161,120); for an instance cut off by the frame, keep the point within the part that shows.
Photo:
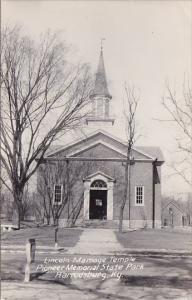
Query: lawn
(156,239)
(44,236)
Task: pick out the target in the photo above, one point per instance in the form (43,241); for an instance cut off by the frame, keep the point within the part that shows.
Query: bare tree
(67,174)
(180,111)
(52,173)
(131,103)
(43,97)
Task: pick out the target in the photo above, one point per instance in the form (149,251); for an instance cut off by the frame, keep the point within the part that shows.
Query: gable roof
(56,149)
(149,153)
(174,203)
(154,152)
(97,147)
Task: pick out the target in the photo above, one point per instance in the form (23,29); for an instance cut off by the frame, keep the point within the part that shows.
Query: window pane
(139,194)
(57,193)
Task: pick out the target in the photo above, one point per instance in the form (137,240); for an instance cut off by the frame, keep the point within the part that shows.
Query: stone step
(100,224)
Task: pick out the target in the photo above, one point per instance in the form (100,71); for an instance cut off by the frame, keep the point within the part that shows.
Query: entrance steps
(108,224)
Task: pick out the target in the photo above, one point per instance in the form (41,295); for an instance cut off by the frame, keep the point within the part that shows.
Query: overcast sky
(147,43)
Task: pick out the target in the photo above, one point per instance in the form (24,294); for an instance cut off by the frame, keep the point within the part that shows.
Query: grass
(68,237)
(13,264)
(44,236)
(156,239)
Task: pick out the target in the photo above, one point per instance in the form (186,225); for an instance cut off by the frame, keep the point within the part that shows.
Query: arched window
(98,184)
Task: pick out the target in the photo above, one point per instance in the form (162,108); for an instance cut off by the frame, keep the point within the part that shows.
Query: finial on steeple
(102,39)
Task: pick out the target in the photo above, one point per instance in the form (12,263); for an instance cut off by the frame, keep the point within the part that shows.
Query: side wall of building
(157,196)
(141,175)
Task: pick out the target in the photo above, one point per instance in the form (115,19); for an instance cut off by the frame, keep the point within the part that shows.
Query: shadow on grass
(87,291)
(155,239)
(20,276)
(182,264)
(100,291)
(36,275)
(44,236)
(157,281)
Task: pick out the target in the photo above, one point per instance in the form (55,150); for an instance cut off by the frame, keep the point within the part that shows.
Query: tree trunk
(48,220)
(22,214)
(19,216)
(18,197)
(121,219)
(124,197)
(47,216)
(19,220)
(55,221)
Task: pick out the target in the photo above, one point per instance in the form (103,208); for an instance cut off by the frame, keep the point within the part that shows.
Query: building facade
(87,176)
(173,215)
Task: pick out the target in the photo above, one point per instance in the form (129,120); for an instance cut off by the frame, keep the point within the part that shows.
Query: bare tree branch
(43,96)
(180,111)
(130,109)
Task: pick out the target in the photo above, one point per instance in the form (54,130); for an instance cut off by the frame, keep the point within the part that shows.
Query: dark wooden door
(98,204)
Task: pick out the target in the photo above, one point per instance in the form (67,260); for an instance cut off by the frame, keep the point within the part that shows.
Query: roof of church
(101,87)
(150,151)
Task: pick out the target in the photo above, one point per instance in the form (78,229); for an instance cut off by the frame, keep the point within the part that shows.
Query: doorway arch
(98,184)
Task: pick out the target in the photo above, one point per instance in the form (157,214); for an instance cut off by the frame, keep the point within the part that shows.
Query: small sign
(98,202)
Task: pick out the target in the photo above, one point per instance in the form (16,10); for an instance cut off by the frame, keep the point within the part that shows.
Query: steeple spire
(100,97)
(101,87)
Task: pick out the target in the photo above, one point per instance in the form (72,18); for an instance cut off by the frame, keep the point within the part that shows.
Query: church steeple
(100,96)
(101,87)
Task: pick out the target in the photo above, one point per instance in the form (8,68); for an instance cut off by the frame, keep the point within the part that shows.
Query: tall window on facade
(57,194)
(139,195)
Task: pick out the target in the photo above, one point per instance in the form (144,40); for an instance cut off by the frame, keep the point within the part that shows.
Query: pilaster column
(110,201)
(86,200)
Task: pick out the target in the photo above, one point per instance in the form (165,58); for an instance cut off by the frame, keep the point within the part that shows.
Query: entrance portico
(98,197)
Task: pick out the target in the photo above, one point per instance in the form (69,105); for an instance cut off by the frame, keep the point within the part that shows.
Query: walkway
(97,241)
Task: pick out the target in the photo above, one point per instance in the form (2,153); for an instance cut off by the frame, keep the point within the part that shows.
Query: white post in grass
(30,255)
